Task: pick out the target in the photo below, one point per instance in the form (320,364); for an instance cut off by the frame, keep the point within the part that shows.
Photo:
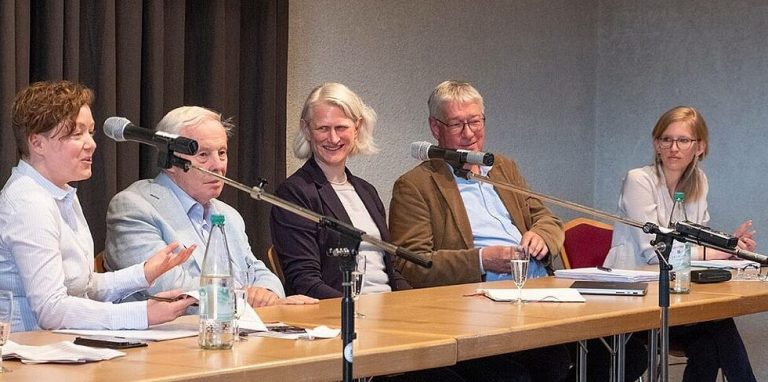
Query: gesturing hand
(165,259)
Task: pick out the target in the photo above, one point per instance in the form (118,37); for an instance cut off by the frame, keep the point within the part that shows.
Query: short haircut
(180,117)
(43,106)
(452,91)
(354,108)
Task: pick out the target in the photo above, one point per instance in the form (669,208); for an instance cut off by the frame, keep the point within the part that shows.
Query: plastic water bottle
(217,298)
(680,256)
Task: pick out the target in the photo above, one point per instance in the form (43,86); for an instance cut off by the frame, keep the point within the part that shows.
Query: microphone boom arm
(649,228)
(340,226)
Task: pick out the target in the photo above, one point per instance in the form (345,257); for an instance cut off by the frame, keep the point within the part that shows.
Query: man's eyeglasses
(474,124)
(683,143)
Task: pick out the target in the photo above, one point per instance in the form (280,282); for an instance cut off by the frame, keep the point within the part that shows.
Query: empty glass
(358,279)
(6,314)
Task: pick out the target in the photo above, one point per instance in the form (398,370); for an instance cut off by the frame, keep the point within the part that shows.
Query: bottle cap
(217,219)
(679,196)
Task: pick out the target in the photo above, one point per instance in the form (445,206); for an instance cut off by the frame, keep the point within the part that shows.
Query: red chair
(587,243)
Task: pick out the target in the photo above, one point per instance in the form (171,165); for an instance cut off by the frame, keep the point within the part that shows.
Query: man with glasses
(464,227)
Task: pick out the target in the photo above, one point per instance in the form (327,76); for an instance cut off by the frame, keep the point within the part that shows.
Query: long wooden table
(406,330)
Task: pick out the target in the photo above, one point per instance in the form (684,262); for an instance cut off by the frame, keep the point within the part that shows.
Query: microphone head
(420,150)
(115,126)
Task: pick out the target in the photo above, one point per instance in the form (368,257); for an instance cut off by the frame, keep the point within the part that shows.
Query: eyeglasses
(683,143)
(474,124)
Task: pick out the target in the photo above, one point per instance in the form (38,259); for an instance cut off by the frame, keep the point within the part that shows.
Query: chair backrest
(274,264)
(98,263)
(587,243)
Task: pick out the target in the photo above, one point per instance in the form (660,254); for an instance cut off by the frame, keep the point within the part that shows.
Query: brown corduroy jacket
(427,216)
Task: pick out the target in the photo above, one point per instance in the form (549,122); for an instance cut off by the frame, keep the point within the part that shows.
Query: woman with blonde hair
(680,142)
(335,125)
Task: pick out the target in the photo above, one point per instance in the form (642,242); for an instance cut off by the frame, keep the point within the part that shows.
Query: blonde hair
(691,181)
(452,91)
(354,108)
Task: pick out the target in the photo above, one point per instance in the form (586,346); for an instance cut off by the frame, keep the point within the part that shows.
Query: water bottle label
(216,303)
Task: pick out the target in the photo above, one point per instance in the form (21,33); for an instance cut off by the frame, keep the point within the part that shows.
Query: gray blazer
(147,216)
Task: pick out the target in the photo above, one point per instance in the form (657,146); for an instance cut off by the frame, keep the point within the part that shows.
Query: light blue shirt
(198,216)
(46,260)
(490,221)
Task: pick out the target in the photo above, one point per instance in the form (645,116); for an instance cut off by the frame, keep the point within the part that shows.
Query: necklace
(343,182)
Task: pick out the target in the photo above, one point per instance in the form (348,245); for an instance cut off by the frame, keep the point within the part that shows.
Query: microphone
(425,150)
(749,255)
(121,129)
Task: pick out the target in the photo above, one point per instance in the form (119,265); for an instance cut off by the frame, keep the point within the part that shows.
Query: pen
(604,269)
(166,299)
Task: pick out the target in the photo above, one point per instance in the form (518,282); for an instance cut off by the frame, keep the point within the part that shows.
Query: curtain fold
(144,58)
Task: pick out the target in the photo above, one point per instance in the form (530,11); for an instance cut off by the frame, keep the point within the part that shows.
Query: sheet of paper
(60,352)
(250,320)
(724,264)
(162,332)
(535,294)
(596,274)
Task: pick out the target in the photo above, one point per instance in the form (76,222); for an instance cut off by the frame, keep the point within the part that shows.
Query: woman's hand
(159,311)
(165,259)
(746,235)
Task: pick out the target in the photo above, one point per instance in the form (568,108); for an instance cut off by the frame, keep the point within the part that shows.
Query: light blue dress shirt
(46,260)
(490,221)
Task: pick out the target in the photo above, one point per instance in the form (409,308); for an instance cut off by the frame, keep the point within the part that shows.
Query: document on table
(162,332)
(534,294)
(172,330)
(725,264)
(607,274)
(60,352)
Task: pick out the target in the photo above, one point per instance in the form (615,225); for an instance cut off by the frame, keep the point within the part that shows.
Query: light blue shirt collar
(195,211)
(59,194)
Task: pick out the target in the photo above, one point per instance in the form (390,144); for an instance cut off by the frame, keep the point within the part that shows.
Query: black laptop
(611,288)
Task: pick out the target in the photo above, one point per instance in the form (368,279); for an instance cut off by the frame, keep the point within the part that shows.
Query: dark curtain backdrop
(144,58)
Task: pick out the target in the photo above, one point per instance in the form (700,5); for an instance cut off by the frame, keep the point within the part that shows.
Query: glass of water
(358,279)
(519,260)
(6,315)
(243,280)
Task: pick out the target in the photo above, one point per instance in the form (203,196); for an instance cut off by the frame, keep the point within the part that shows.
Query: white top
(46,260)
(645,198)
(376,279)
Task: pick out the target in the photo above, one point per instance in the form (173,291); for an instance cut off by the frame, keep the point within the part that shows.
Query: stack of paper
(61,352)
(162,332)
(617,275)
(725,264)
(534,294)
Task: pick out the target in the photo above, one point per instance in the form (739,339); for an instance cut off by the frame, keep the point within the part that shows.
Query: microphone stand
(662,244)
(347,251)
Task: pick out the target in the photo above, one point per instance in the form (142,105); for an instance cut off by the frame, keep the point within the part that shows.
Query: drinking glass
(6,315)
(519,260)
(748,272)
(243,280)
(358,279)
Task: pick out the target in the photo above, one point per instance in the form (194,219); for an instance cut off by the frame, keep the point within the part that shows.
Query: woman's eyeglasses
(683,143)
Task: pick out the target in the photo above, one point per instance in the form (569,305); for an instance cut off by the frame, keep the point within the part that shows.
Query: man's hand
(537,248)
(258,296)
(298,299)
(497,258)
